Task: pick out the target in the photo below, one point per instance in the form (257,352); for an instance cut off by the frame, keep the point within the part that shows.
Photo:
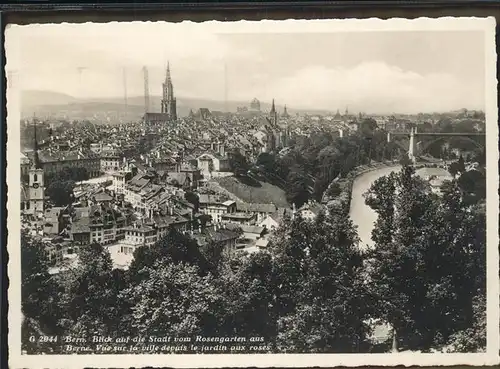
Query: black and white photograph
(253,189)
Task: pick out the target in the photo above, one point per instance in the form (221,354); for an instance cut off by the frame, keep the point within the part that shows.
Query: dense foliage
(315,288)
(427,266)
(306,170)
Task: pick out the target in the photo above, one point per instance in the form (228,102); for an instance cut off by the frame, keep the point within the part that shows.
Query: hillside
(57,105)
(254,191)
(40,98)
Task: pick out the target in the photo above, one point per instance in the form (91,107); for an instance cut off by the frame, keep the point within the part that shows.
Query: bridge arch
(422,147)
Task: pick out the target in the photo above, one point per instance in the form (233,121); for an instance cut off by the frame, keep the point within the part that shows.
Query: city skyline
(419,71)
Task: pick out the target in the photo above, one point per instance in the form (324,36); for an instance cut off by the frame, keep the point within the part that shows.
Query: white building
(110,164)
(215,207)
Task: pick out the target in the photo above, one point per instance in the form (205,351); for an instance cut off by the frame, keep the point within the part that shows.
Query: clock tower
(36,191)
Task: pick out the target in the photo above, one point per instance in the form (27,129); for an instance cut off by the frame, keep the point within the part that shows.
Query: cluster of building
(138,208)
(149,167)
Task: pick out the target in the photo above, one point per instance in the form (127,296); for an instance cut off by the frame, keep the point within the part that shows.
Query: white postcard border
(491,357)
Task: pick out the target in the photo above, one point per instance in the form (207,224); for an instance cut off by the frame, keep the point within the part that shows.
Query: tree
(472,339)
(403,205)
(204,220)
(213,253)
(173,299)
(473,185)
(267,161)
(333,190)
(405,160)
(192,198)
(249,293)
(461,164)
(368,126)
(39,292)
(297,192)
(238,163)
(90,300)
(321,298)
(174,246)
(61,192)
(428,261)
(457,167)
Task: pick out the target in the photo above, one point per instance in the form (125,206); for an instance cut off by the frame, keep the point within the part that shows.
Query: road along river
(362,215)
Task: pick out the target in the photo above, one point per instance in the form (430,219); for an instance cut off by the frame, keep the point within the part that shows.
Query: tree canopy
(428,262)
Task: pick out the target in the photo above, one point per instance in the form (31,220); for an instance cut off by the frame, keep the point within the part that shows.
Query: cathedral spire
(273,108)
(169,103)
(167,75)
(36,158)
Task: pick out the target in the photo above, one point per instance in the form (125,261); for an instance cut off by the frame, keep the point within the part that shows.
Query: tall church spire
(285,112)
(36,158)
(273,114)
(167,75)
(169,103)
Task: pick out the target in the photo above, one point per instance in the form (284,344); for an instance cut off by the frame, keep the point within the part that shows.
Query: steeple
(273,115)
(167,75)
(285,112)
(273,108)
(36,159)
(169,103)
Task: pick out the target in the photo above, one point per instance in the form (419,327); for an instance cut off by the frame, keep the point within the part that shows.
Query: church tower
(36,185)
(285,113)
(169,102)
(273,115)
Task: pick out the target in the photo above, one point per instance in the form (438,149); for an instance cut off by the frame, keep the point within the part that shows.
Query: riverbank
(343,200)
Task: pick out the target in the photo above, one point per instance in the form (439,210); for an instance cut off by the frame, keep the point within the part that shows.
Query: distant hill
(38,98)
(45,104)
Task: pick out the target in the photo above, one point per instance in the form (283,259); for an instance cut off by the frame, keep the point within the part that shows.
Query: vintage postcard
(232,194)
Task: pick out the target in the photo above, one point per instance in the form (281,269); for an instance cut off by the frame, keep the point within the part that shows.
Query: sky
(376,72)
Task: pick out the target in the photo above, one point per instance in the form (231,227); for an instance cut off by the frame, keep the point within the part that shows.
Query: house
(208,163)
(110,163)
(252,232)
(102,197)
(178,179)
(132,190)
(141,235)
(190,169)
(80,226)
(262,210)
(270,222)
(165,164)
(106,224)
(214,160)
(310,210)
(119,181)
(437,182)
(239,218)
(53,223)
(54,161)
(219,235)
(216,206)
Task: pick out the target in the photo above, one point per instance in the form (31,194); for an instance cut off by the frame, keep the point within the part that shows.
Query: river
(364,217)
